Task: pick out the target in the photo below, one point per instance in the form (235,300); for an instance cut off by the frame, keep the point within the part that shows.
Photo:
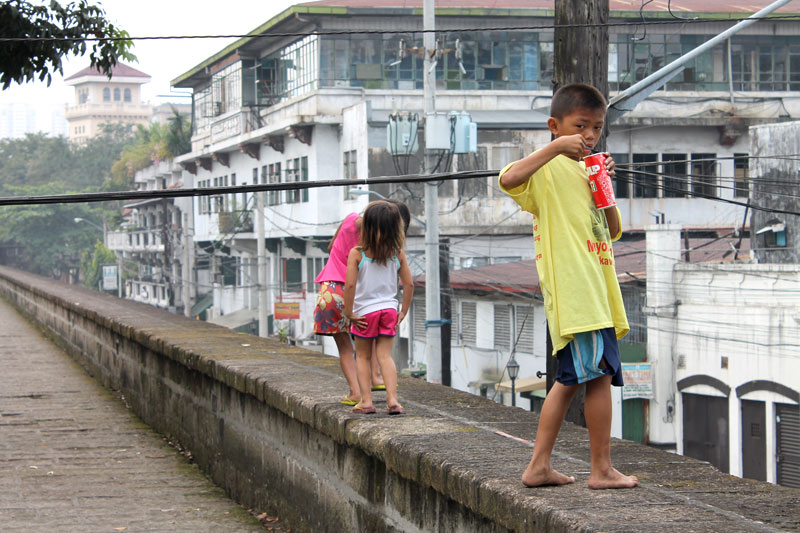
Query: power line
(399,31)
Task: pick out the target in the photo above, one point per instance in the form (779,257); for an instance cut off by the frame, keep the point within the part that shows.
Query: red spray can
(600,181)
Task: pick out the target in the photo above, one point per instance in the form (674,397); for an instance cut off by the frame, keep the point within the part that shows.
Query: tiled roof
(120,69)
(630,258)
(677,6)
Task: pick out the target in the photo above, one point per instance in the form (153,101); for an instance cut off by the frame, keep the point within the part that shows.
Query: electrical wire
(667,22)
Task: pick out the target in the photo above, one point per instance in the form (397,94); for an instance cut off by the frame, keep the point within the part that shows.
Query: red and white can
(599,181)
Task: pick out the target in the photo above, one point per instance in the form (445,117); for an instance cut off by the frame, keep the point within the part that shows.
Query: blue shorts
(588,356)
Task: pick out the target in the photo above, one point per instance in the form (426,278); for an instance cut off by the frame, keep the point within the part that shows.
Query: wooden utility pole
(580,56)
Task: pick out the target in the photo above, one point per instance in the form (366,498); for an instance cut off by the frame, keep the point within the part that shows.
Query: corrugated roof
(630,258)
(120,69)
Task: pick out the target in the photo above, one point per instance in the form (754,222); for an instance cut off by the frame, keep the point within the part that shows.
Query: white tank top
(376,288)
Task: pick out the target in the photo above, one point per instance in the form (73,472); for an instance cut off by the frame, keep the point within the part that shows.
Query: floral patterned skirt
(329,316)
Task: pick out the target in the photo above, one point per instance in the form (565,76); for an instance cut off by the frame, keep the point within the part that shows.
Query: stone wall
(264,421)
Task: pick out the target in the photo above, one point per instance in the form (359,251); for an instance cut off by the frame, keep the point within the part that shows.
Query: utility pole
(580,56)
(188,262)
(432,310)
(261,265)
(446,330)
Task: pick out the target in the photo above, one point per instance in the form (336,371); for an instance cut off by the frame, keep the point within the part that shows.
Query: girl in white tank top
(370,296)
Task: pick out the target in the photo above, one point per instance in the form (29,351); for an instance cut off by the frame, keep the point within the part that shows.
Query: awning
(236,319)
(522,385)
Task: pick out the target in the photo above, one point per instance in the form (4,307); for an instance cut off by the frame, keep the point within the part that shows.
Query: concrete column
(663,246)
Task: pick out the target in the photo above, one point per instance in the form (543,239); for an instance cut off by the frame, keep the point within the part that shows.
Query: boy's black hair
(405,214)
(576,96)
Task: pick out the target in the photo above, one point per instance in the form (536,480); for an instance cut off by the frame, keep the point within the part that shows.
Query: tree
(37,159)
(48,33)
(49,240)
(92,265)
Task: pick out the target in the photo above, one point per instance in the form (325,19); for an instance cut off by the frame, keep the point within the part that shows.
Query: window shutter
(468,314)
(502,327)
(419,318)
(525,342)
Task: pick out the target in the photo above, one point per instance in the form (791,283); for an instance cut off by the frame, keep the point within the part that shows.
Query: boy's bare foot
(613,479)
(540,478)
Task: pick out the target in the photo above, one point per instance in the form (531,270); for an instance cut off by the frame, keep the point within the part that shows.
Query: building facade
(100,100)
(316,107)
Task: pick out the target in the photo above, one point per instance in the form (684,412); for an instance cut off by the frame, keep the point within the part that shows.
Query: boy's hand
(572,146)
(610,164)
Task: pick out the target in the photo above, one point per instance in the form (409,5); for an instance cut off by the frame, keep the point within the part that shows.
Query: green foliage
(51,240)
(37,159)
(92,264)
(152,144)
(64,31)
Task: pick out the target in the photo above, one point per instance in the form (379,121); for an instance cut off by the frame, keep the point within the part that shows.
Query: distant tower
(99,100)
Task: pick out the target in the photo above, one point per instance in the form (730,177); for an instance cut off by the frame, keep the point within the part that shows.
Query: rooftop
(120,70)
(630,257)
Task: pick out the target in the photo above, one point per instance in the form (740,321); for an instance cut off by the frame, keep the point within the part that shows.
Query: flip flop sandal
(395,410)
(347,401)
(364,410)
(378,387)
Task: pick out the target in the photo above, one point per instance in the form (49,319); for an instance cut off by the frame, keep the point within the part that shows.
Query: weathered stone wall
(263,419)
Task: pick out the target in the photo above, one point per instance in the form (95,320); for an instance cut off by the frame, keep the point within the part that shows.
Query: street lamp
(513,372)
(358,192)
(79,219)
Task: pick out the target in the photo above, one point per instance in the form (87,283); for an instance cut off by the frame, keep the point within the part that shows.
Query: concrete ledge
(263,419)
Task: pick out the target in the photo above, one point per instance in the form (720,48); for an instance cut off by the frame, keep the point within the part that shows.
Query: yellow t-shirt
(574,256)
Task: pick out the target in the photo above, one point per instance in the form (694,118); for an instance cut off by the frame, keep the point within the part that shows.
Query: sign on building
(638,380)
(285,310)
(109,277)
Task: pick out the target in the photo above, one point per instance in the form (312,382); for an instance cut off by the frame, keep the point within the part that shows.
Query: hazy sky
(164,60)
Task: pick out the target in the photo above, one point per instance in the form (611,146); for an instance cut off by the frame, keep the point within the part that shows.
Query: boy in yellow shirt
(582,299)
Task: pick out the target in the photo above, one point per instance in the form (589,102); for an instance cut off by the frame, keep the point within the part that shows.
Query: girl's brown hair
(382,230)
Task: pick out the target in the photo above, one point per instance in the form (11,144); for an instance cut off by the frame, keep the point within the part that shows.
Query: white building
(315,107)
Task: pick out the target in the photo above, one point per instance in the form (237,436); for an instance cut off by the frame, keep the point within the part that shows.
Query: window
(523,328)
(106,94)
(297,170)
(468,323)
(229,267)
(117,97)
(419,318)
(704,172)
(273,176)
(289,72)
(292,279)
(349,171)
(313,268)
(676,180)
(622,178)
(502,327)
(740,176)
(127,95)
(645,177)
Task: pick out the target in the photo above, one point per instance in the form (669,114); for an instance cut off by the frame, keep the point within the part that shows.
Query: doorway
(754,440)
(705,429)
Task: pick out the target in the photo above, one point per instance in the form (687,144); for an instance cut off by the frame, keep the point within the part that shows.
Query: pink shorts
(379,323)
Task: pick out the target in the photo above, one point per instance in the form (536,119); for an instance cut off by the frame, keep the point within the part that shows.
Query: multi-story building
(100,100)
(150,244)
(313,103)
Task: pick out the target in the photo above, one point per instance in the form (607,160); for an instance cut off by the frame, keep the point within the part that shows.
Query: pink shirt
(336,267)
